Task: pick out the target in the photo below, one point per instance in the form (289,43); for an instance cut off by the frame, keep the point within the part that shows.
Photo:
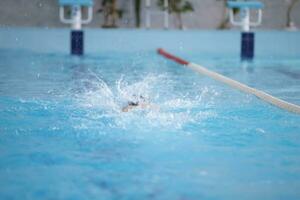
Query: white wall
(207,14)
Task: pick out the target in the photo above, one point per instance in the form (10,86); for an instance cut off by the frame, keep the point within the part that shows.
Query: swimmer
(139,103)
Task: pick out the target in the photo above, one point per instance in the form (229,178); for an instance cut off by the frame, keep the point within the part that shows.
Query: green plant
(289,21)
(110,12)
(177,7)
(137,10)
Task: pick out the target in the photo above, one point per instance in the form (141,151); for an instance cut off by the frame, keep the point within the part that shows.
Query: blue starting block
(76,21)
(248,38)
(87,3)
(245,4)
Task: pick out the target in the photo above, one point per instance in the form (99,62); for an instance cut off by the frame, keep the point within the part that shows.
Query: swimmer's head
(131,103)
(136,100)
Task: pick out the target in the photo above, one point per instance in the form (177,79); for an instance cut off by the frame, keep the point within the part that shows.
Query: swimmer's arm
(127,108)
(142,105)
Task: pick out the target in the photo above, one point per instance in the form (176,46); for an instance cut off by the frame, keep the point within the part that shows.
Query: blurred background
(184,14)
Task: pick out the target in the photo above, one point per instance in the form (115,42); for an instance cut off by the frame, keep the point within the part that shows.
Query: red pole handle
(172,57)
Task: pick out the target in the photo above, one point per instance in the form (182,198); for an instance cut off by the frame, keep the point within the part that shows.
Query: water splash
(104,103)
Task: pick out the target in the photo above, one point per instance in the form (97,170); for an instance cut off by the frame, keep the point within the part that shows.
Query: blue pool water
(63,136)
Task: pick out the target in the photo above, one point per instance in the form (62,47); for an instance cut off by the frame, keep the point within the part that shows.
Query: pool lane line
(233,83)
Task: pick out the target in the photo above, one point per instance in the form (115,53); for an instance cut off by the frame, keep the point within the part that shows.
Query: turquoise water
(63,135)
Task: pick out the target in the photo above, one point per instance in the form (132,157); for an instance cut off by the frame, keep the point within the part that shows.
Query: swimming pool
(63,136)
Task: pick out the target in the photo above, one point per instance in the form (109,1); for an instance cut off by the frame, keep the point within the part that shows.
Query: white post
(76,17)
(166,14)
(148,17)
(245,17)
